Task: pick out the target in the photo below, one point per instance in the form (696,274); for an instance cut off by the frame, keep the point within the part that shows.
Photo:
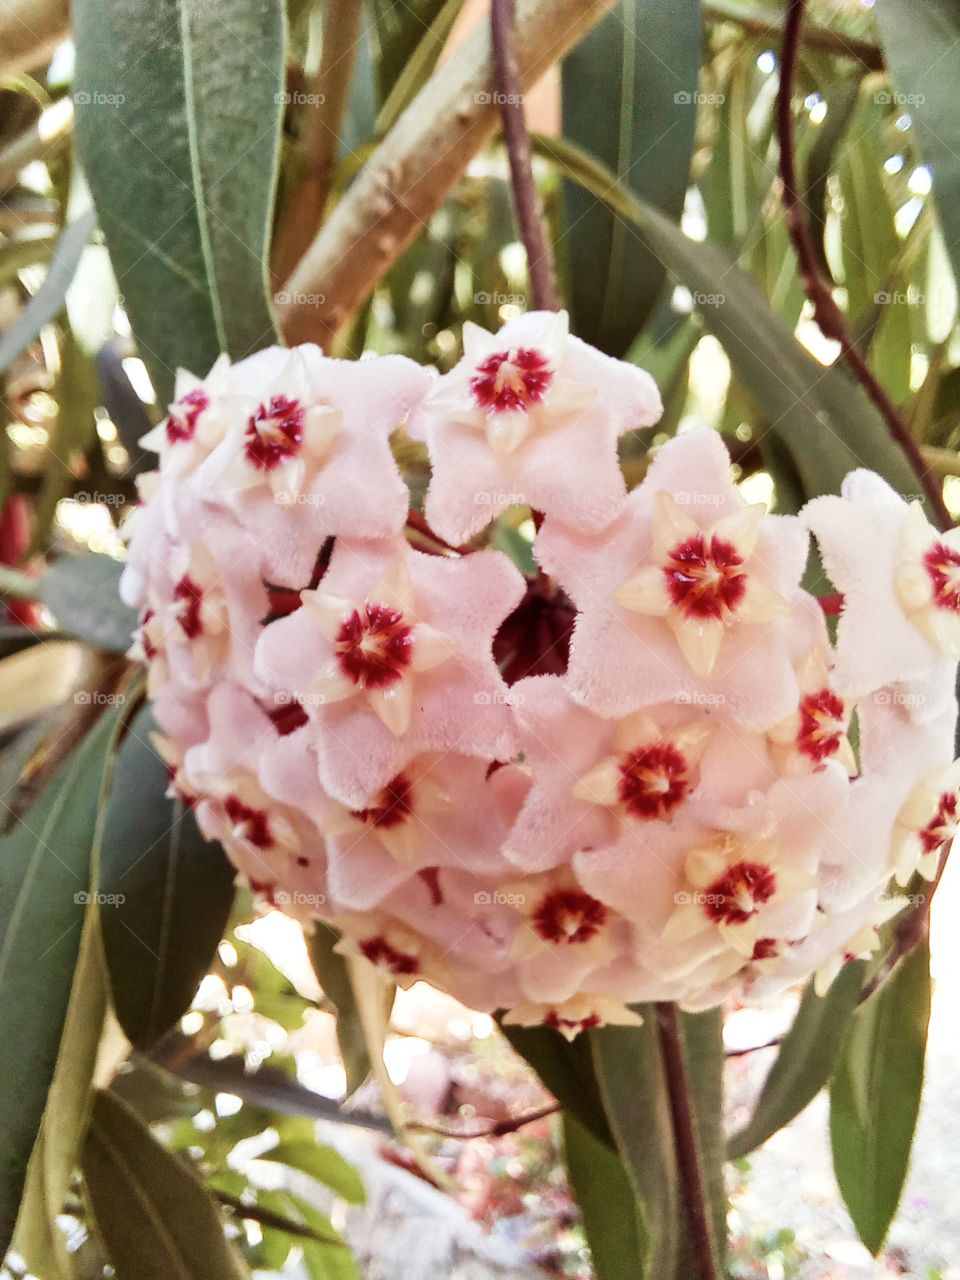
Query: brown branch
(409,174)
(870,56)
(825,309)
(526,202)
(689,1159)
(326,104)
(494,1130)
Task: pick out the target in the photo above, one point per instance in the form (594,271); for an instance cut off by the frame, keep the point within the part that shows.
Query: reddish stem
(543,284)
(826,312)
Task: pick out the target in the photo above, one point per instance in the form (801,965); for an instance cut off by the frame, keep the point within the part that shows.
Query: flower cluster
(645,772)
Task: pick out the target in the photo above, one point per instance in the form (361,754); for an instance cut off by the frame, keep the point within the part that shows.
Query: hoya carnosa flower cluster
(696,794)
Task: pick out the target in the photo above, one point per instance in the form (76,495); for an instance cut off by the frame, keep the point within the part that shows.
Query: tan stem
(407,177)
(323,117)
(29,31)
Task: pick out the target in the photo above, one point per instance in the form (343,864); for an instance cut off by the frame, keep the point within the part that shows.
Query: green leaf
(47,303)
(630,95)
(83,593)
(820,415)
(875,1096)
(419,65)
(323,1163)
(567,1069)
(612,1218)
(180,149)
(703,1045)
(921,48)
(805,1060)
(167,893)
(632,1085)
(331,970)
(398,29)
(152,1211)
(45,879)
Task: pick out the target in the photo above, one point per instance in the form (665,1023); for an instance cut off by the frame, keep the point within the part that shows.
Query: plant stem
(689,1159)
(409,174)
(526,202)
(825,309)
(303,206)
(767,22)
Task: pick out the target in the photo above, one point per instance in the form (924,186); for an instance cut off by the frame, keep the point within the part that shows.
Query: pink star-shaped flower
(687,596)
(196,422)
(530,415)
(308,451)
(392,656)
(900,622)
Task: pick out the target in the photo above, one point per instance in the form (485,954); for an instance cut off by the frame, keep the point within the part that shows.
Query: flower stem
(687,1142)
(526,202)
(825,309)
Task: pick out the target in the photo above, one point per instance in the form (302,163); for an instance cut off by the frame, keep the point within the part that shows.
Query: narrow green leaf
(804,1062)
(419,66)
(323,1163)
(167,893)
(152,1211)
(398,28)
(612,1217)
(331,970)
(822,417)
(875,1096)
(83,593)
(48,301)
(45,878)
(630,95)
(703,1045)
(630,1075)
(180,149)
(567,1069)
(921,48)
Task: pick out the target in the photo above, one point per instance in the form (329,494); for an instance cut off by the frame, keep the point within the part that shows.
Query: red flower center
(386,956)
(739,893)
(942,826)
(943,567)
(393,805)
(274,432)
(511,381)
(150,650)
(766,949)
(558,1023)
(188,596)
(569,916)
(705,577)
(181,423)
(248,824)
(653,780)
(822,725)
(374,646)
